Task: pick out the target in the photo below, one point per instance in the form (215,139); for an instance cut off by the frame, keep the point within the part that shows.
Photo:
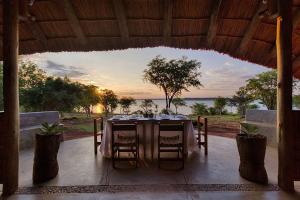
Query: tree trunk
(10,133)
(284,96)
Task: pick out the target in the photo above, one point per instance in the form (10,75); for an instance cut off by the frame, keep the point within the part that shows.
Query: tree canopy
(219,104)
(125,103)
(178,102)
(109,101)
(174,76)
(263,87)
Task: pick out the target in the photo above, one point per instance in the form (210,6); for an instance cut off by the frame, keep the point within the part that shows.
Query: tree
(109,101)
(199,109)
(219,104)
(242,99)
(89,97)
(30,75)
(178,102)
(263,87)
(125,103)
(54,94)
(174,76)
(146,105)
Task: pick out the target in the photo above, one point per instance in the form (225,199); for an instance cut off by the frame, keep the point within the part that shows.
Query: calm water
(186,110)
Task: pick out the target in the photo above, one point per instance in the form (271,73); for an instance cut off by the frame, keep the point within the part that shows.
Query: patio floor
(83,175)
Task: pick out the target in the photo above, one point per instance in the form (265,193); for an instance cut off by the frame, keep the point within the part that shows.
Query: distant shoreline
(187,98)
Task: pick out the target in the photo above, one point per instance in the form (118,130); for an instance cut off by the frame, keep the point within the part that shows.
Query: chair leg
(158,157)
(199,140)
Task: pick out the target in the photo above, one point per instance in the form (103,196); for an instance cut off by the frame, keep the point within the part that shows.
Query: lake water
(186,110)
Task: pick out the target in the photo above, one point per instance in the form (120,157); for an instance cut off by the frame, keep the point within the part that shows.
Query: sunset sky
(122,70)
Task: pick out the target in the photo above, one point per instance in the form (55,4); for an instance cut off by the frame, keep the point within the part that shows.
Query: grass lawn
(221,118)
(86,127)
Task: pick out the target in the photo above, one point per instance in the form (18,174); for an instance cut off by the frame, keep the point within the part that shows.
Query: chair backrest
(123,127)
(171,126)
(202,123)
(98,125)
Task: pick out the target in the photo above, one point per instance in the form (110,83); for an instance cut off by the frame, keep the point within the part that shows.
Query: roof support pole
(10,132)
(284,95)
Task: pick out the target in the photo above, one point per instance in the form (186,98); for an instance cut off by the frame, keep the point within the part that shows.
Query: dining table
(147,129)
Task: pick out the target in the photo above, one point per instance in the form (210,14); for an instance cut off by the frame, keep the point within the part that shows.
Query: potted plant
(252,149)
(45,166)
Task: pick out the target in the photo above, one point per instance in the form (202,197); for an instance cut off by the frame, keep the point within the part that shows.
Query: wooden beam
(167,24)
(251,30)
(296,21)
(122,21)
(73,20)
(286,171)
(213,24)
(11,131)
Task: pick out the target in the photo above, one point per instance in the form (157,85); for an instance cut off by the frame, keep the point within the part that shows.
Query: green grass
(86,127)
(221,118)
(79,116)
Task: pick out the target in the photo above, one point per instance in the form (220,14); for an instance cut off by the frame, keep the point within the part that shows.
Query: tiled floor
(80,167)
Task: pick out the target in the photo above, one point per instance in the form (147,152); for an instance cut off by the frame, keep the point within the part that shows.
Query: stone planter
(45,166)
(252,149)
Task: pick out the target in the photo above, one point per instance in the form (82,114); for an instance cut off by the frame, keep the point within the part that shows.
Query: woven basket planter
(252,149)
(45,166)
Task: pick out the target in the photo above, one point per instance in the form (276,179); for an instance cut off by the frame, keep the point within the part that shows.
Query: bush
(212,111)
(199,109)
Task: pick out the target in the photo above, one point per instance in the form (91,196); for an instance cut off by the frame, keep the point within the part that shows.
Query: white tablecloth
(146,129)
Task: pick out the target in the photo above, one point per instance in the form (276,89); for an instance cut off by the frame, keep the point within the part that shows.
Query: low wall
(30,124)
(265,120)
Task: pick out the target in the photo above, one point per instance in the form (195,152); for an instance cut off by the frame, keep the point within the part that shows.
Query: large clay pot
(252,149)
(45,166)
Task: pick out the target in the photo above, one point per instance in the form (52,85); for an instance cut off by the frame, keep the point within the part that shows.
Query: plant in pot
(45,166)
(252,149)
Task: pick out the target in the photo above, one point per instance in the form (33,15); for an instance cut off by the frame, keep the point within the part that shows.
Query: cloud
(62,70)
(228,64)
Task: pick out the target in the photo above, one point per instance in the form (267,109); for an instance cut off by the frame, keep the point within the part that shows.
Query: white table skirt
(145,133)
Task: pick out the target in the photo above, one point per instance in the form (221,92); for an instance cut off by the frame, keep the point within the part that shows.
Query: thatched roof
(233,27)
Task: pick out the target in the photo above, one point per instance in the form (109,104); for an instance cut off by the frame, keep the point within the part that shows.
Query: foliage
(174,76)
(199,109)
(247,128)
(146,105)
(125,103)
(30,75)
(51,129)
(178,102)
(296,100)
(242,99)
(109,101)
(54,94)
(166,111)
(263,87)
(89,97)
(212,111)
(252,106)
(219,104)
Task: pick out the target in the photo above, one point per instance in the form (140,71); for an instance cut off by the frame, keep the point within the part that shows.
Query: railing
(98,131)
(296,128)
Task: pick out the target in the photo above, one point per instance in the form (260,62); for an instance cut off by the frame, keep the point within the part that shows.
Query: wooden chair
(202,133)
(170,144)
(125,142)
(98,131)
